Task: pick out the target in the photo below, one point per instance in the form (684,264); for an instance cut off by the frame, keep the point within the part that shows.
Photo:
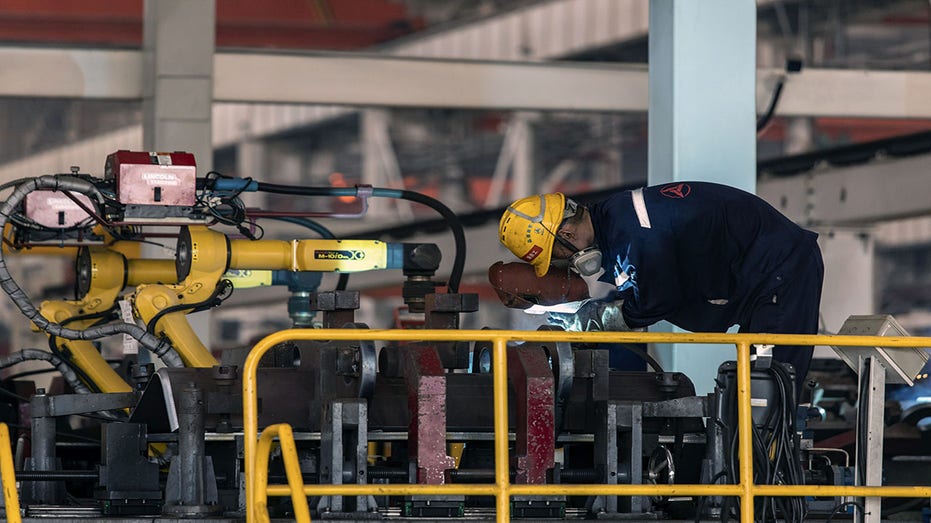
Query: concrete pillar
(178,48)
(523,181)
(702,119)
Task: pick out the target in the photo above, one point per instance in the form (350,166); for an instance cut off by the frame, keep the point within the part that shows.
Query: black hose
(40,355)
(22,301)
(452,220)
(763,121)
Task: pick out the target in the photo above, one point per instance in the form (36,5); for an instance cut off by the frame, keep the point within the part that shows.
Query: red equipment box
(152,178)
(53,209)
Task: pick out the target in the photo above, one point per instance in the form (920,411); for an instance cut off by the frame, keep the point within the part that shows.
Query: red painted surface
(842,131)
(532,381)
(288,24)
(426,400)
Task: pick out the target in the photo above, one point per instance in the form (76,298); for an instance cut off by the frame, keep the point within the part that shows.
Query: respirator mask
(587,261)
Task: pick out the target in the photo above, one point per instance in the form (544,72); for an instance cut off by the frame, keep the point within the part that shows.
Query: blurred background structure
(420,94)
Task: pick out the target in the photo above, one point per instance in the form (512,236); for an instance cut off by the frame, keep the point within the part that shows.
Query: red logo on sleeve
(677,191)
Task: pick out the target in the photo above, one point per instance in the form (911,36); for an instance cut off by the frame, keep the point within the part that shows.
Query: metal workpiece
(562,360)
(191,489)
(44,405)
(532,382)
(43,454)
(161,403)
(684,407)
(426,396)
(338,307)
(344,455)
(128,482)
(45,409)
(442,311)
(593,365)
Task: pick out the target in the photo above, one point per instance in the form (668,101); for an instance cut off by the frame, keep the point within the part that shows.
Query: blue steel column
(702,120)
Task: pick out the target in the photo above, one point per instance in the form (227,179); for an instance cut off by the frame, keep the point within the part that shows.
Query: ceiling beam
(878,190)
(378,80)
(419,82)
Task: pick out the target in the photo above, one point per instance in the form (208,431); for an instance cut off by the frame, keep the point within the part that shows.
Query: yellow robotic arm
(203,256)
(102,274)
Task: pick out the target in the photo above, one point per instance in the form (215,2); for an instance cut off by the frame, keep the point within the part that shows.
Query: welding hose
(161,348)
(40,355)
(455,276)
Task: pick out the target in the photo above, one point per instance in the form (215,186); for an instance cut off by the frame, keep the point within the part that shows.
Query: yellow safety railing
(292,468)
(8,476)
(502,489)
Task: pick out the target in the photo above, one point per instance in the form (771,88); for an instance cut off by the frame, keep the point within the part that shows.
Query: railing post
(502,489)
(499,366)
(250,421)
(8,477)
(745,432)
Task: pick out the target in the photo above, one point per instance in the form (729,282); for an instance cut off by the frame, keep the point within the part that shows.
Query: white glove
(593,315)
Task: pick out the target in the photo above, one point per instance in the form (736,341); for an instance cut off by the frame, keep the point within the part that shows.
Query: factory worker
(699,255)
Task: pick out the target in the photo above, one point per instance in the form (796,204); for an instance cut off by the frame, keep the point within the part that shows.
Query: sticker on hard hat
(532,254)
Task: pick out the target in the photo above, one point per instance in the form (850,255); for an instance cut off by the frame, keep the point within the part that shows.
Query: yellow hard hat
(528,228)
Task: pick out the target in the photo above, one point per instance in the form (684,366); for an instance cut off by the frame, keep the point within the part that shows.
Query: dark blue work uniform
(705,256)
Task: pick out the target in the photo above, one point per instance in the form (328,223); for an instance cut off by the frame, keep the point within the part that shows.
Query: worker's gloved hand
(593,315)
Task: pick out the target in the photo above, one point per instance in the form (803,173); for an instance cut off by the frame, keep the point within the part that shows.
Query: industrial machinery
(169,441)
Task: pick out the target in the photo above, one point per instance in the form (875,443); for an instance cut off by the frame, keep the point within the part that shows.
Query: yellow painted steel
(455,451)
(109,272)
(502,489)
(502,463)
(8,476)
(106,273)
(208,262)
(744,431)
(292,470)
(309,255)
(491,489)
(150,271)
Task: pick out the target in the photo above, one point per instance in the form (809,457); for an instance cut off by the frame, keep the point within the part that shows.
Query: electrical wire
(839,506)
(449,216)
(776,457)
(228,209)
(57,433)
(764,120)
(40,355)
(13,395)
(53,344)
(53,347)
(223,290)
(161,348)
(26,374)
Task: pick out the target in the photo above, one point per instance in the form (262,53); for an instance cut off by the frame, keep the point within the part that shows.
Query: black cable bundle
(776,456)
